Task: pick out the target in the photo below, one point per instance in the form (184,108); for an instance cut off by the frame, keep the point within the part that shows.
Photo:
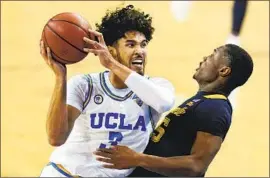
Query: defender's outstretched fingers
(105,160)
(103,154)
(106,150)
(110,166)
(99,35)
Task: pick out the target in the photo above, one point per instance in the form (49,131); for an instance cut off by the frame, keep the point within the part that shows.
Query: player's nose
(139,51)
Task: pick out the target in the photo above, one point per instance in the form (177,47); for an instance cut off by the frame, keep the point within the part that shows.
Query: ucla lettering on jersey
(109,121)
(109,117)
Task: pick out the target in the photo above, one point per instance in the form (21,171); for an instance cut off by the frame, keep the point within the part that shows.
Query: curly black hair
(116,23)
(241,65)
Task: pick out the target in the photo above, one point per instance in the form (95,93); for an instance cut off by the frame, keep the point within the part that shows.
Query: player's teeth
(139,61)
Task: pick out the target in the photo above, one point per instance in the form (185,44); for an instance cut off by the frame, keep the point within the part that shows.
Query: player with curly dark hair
(98,110)
(116,23)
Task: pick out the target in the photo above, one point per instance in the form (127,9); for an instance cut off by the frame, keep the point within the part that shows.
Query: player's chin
(195,75)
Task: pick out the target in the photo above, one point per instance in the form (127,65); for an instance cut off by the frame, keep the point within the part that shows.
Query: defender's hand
(119,157)
(58,68)
(100,49)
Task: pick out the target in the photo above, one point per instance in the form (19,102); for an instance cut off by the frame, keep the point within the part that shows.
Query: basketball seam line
(52,50)
(66,40)
(75,25)
(70,23)
(65,61)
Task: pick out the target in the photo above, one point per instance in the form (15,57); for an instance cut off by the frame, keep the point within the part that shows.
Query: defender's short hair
(241,65)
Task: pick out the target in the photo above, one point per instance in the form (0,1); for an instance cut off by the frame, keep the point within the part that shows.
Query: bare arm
(203,151)
(60,118)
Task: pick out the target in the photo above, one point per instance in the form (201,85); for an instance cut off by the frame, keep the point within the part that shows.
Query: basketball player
(98,110)
(238,15)
(191,135)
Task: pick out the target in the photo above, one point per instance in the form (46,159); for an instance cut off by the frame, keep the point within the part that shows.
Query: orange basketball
(64,34)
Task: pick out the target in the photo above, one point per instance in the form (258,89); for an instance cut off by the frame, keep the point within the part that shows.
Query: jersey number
(160,131)
(114,138)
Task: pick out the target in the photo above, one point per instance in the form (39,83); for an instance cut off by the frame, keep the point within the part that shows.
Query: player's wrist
(61,78)
(140,160)
(113,64)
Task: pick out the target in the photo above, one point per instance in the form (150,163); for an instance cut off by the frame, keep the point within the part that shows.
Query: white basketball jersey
(109,117)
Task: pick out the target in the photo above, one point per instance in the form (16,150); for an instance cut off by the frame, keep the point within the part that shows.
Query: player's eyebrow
(134,41)
(130,41)
(215,50)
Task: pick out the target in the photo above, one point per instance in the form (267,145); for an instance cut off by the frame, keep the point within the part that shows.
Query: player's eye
(144,44)
(131,45)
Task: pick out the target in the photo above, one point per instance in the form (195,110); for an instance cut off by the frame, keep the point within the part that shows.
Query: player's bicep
(205,148)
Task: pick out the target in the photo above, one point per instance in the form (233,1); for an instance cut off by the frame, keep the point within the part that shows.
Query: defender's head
(127,32)
(228,67)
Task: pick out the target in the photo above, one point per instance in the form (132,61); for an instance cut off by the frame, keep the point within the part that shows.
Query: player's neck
(213,88)
(116,81)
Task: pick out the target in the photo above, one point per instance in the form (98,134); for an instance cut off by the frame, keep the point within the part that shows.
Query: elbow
(194,168)
(196,171)
(56,138)
(55,142)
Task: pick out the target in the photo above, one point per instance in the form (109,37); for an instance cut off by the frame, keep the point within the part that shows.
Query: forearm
(170,166)
(120,70)
(159,98)
(57,120)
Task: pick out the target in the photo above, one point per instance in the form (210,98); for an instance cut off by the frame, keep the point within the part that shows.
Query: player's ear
(112,50)
(225,71)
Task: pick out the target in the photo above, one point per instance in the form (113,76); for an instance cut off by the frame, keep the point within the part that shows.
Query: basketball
(63,34)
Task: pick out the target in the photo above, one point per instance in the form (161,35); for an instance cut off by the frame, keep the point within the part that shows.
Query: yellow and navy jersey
(206,112)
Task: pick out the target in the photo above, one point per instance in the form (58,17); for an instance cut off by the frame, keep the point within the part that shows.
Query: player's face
(131,51)
(210,68)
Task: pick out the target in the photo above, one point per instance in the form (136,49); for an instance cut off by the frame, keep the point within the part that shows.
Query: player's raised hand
(100,49)
(58,68)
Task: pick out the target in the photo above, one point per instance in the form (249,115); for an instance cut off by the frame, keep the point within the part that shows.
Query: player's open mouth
(137,62)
